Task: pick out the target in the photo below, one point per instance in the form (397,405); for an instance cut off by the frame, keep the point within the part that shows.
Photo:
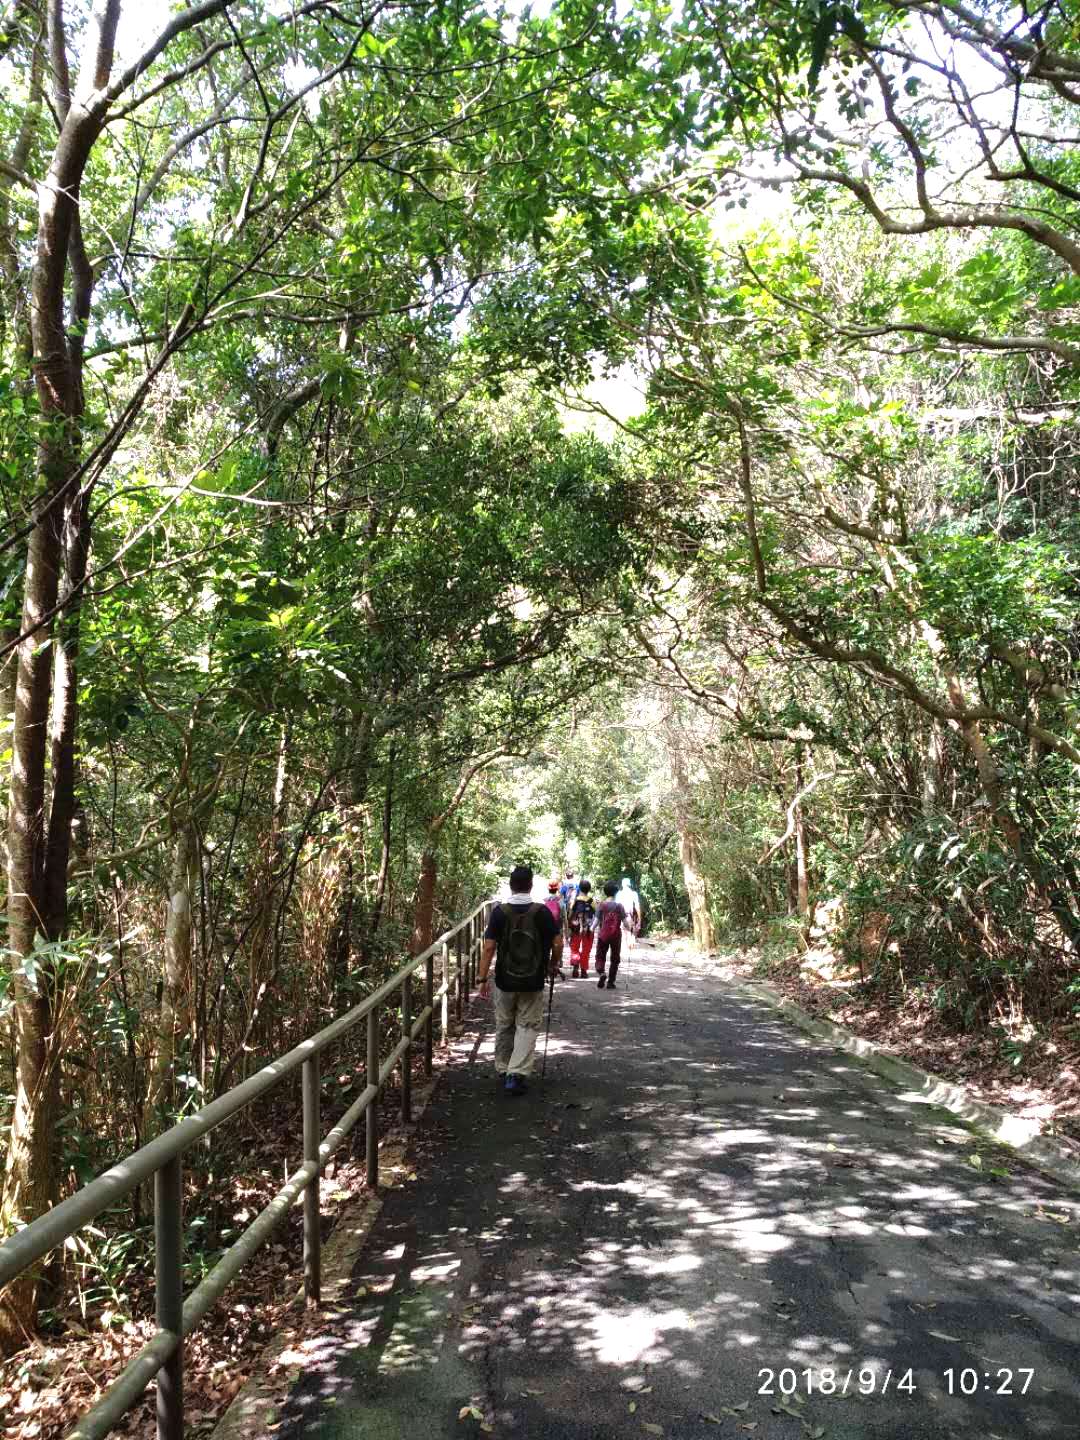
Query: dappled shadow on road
(681,1211)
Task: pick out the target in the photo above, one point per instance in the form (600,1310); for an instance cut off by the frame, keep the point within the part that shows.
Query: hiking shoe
(611,984)
(601,982)
(515,1085)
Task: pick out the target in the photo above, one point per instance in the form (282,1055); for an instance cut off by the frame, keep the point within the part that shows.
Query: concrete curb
(1023,1136)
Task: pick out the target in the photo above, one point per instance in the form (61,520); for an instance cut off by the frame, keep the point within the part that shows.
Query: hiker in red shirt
(557,911)
(609,923)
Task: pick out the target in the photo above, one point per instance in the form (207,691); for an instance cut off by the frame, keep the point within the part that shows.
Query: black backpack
(582,915)
(521,963)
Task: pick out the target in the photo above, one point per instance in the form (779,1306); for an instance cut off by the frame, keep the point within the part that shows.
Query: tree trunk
(30,1175)
(696,886)
(424,913)
(76,551)
(175,981)
(696,889)
(30,1178)
(375,915)
(931,780)
(424,910)
(9,673)
(802,869)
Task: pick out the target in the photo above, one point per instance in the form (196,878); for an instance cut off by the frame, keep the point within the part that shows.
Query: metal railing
(163,1356)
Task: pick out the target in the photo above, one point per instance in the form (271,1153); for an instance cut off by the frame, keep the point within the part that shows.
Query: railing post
(429,1002)
(476,940)
(406,1059)
(466,968)
(371,1115)
(312,1237)
(444,1019)
(459,995)
(168,1265)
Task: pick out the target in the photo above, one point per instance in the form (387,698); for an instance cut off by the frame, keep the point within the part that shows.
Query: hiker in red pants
(582,920)
(609,919)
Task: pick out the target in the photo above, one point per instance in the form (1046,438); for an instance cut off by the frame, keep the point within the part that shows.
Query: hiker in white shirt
(628,899)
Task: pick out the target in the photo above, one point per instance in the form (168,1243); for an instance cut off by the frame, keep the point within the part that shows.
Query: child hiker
(582,920)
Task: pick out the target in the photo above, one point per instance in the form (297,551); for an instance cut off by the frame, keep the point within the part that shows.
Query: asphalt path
(701,1224)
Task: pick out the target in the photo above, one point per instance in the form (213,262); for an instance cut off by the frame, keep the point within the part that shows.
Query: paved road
(697,1200)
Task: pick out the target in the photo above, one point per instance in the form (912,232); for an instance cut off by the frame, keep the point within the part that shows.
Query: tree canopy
(311,594)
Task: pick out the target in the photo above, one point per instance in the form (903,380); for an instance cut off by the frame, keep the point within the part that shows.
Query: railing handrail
(21,1249)
(161,1158)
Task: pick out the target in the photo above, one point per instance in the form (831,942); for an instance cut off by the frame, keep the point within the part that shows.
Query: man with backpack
(582,921)
(609,922)
(525,941)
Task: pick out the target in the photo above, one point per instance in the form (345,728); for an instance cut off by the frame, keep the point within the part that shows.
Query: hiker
(525,941)
(568,893)
(582,923)
(628,899)
(609,927)
(558,910)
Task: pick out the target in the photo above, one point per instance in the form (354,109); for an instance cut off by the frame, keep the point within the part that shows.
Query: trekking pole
(547,1027)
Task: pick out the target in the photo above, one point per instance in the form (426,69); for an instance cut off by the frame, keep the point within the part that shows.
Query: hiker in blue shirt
(568,892)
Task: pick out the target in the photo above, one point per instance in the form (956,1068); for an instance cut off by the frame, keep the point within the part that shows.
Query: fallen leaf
(712,1419)
(940,1335)
(470,1412)
(653,1429)
(632,1406)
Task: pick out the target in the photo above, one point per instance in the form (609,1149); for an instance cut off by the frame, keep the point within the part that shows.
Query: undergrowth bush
(951,912)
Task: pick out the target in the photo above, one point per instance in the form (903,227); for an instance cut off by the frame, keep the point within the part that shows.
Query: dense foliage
(311,599)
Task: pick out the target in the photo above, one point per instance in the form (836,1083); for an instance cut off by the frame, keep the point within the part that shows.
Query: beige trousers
(519,1014)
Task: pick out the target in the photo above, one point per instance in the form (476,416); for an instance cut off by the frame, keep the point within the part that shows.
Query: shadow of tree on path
(698,1198)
